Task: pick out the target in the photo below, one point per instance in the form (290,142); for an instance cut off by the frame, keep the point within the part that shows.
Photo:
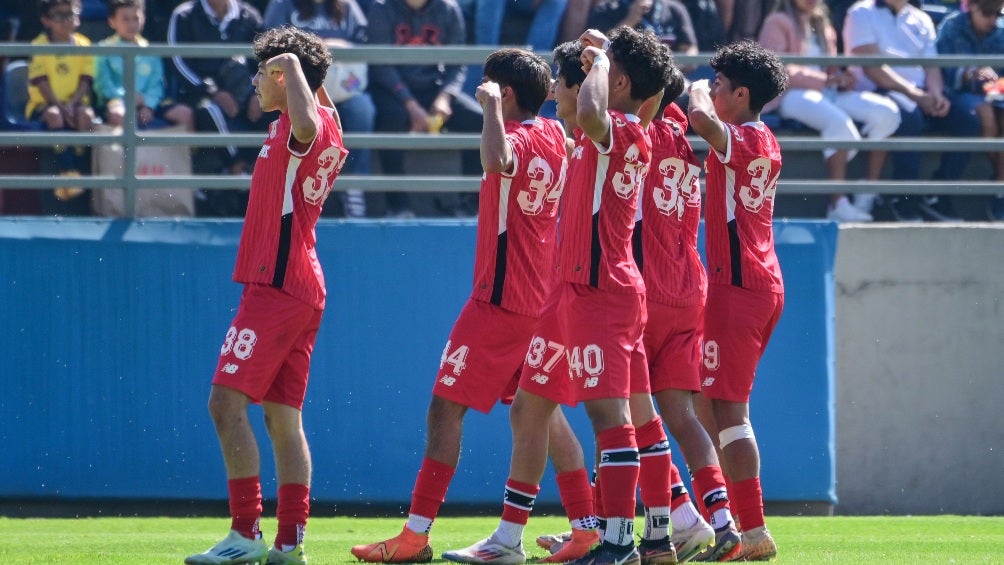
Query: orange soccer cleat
(406,547)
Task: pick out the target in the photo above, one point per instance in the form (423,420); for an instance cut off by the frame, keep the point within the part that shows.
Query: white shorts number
(240,342)
(589,358)
(711,358)
(538,348)
(458,358)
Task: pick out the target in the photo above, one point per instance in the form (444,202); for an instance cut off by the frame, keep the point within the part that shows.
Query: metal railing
(130,138)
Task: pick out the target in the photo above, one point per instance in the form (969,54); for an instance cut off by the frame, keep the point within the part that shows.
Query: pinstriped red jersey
(514,257)
(277,245)
(739,210)
(670,217)
(599,208)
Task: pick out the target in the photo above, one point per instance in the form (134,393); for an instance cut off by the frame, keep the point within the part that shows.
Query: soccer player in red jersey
(595,316)
(524,160)
(746,292)
(266,355)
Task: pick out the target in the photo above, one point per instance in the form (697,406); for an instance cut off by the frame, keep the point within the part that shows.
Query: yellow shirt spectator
(63,71)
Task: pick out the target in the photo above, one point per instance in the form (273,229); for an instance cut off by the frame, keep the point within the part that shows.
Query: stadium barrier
(112,328)
(130,138)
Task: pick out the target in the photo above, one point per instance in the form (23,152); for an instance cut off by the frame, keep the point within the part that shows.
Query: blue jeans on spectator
(961,121)
(489,16)
(358,115)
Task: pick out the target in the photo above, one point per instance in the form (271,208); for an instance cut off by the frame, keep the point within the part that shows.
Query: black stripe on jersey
(498,284)
(636,250)
(282,254)
(735,255)
(595,253)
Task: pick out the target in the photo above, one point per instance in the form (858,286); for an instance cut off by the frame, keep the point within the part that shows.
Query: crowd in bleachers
(214,95)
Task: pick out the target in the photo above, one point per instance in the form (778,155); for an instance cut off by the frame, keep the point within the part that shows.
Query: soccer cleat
(758,545)
(693,540)
(406,547)
(553,542)
(295,556)
(488,551)
(609,554)
(727,546)
(657,552)
(577,544)
(235,549)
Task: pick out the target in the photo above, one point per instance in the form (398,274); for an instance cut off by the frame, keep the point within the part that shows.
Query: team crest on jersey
(577,152)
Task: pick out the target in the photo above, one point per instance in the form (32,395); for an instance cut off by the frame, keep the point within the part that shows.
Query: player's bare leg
(292,465)
(569,463)
(228,408)
(445,425)
(741,462)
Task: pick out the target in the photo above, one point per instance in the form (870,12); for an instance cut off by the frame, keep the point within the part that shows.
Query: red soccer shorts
(673,345)
(737,326)
(482,359)
(266,354)
(600,335)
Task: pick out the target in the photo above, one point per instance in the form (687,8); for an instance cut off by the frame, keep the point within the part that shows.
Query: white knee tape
(729,435)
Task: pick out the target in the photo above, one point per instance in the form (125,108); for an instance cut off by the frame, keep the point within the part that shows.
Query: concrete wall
(920,341)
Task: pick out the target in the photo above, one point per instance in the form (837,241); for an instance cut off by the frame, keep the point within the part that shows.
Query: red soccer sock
(576,494)
(292,511)
(619,470)
(598,497)
(656,461)
(245,506)
(430,488)
(518,502)
(678,491)
(709,485)
(748,503)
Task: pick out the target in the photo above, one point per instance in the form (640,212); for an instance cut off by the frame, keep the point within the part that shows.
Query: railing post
(129,137)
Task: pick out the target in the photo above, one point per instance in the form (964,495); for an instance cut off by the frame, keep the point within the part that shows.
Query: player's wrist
(601,61)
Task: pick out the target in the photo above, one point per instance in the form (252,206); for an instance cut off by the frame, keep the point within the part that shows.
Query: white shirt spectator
(910,33)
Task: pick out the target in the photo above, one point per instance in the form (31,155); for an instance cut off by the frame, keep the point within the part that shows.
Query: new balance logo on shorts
(230,368)
(708,381)
(448,380)
(539,378)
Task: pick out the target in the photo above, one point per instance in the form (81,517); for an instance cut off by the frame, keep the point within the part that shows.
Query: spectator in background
(59,96)
(341,23)
(573,24)
(491,16)
(421,98)
(154,107)
(708,24)
(744,18)
(825,99)
(667,19)
(220,91)
(894,28)
(976,31)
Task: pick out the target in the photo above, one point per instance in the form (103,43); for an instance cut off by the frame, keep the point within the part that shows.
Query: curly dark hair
(568,58)
(643,58)
(313,53)
(747,63)
(523,71)
(673,89)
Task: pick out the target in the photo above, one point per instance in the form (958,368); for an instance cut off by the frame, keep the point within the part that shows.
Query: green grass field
(148,541)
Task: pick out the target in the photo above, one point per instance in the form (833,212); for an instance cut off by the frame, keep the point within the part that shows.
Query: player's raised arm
(594,94)
(496,154)
(704,119)
(300,101)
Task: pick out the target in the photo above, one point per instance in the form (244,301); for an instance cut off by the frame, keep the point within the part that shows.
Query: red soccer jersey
(287,192)
(600,203)
(514,258)
(671,213)
(740,209)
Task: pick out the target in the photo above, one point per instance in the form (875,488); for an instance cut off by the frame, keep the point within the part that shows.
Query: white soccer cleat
(844,211)
(295,556)
(693,540)
(235,549)
(488,551)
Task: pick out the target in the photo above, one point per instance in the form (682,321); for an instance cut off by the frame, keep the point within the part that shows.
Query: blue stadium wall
(111,329)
